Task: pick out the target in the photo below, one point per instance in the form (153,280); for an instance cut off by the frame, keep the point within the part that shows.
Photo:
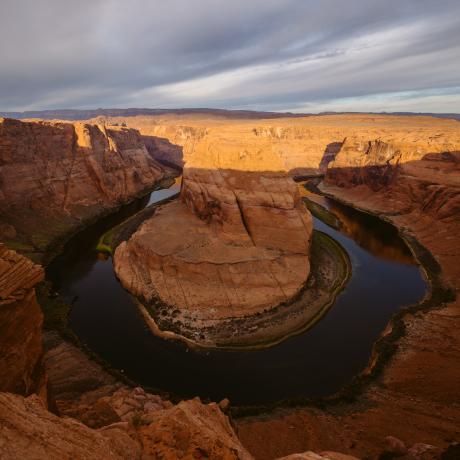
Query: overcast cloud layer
(298,55)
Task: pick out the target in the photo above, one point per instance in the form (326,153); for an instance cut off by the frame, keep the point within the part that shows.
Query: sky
(274,55)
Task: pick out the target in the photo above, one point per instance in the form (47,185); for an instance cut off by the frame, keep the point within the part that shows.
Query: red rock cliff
(54,176)
(21,368)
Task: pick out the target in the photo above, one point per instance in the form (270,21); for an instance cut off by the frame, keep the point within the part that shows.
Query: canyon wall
(415,183)
(407,170)
(304,145)
(55,176)
(21,319)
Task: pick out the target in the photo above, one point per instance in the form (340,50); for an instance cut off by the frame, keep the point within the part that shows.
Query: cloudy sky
(282,55)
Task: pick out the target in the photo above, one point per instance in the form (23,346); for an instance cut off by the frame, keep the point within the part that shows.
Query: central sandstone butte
(236,244)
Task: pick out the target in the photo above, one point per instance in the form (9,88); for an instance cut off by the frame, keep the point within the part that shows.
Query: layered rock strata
(303,145)
(236,244)
(188,430)
(21,351)
(55,176)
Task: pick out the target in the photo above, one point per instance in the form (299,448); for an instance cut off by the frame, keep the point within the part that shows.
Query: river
(385,278)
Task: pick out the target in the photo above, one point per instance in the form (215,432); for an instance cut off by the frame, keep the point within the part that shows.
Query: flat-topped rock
(236,243)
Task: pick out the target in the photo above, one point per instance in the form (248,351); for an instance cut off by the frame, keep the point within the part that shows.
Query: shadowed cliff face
(429,185)
(54,176)
(421,195)
(21,367)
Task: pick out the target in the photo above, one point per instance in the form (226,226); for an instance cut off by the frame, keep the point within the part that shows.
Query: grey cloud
(59,53)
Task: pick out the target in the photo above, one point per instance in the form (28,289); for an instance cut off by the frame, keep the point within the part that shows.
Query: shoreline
(311,319)
(383,349)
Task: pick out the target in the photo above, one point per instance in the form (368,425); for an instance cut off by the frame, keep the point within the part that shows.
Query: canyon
(55,177)
(236,243)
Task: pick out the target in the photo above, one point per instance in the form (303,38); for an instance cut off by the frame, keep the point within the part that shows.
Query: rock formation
(405,169)
(30,431)
(100,417)
(302,145)
(56,176)
(236,244)
(21,352)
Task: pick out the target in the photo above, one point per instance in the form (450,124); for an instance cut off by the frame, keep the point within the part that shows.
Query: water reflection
(371,233)
(315,363)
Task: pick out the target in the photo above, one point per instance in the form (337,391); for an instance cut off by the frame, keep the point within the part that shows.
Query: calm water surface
(315,363)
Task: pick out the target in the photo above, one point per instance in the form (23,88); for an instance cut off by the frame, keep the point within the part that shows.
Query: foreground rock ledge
(236,244)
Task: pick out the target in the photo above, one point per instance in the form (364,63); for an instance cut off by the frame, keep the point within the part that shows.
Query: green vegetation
(322,214)
(19,246)
(105,243)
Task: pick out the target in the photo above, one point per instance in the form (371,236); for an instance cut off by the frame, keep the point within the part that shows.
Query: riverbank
(330,270)
(53,245)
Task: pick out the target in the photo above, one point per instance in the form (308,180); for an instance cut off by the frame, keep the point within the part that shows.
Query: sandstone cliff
(101,418)
(405,169)
(56,176)
(302,145)
(417,186)
(189,430)
(21,352)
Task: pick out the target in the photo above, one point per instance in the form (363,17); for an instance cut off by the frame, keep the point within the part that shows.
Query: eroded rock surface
(21,351)
(404,168)
(29,431)
(55,176)
(302,146)
(237,242)
(102,418)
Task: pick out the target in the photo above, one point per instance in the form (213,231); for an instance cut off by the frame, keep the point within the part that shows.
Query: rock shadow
(165,152)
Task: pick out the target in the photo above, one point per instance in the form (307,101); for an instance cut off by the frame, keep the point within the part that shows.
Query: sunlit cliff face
(299,145)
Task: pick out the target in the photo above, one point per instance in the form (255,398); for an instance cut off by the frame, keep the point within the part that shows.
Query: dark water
(316,363)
